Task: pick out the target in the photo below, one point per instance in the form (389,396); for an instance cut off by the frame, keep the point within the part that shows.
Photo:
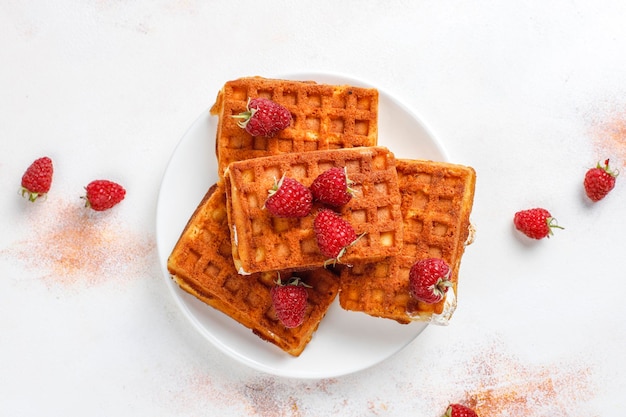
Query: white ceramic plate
(345,342)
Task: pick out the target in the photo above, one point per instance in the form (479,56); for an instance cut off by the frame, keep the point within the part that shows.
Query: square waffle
(262,242)
(437,199)
(324,117)
(201,263)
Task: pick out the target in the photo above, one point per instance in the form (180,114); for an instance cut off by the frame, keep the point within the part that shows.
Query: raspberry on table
(536,223)
(37,179)
(599,181)
(103,194)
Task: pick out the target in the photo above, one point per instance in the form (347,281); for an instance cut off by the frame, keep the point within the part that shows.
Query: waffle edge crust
(201,264)
(324,117)
(262,242)
(437,200)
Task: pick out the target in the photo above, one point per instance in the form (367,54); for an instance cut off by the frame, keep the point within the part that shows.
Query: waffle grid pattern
(201,263)
(436,202)
(324,117)
(291,243)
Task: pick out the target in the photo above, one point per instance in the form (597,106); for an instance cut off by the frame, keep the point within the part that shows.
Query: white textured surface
(529,93)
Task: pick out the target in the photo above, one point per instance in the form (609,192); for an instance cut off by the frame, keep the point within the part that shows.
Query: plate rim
(163,252)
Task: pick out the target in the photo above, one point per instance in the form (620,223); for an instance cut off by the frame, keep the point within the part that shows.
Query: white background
(529,93)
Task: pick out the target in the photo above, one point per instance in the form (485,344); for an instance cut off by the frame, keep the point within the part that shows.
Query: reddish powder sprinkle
(74,245)
(609,136)
(374,406)
(506,387)
(488,378)
(197,393)
(260,396)
(268,397)
(265,402)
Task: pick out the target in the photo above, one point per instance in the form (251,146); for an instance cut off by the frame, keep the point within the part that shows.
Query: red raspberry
(334,234)
(332,187)
(103,194)
(429,280)
(458,410)
(289,198)
(264,117)
(37,179)
(290,301)
(535,223)
(599,181)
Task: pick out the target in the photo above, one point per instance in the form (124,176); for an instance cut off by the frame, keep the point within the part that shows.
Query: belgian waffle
(437,199)
(262,242)
(201,264)
(324,117)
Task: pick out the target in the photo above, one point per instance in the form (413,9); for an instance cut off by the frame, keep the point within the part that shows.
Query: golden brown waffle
(437,199)
(262,242)
(324,117)
(201,263)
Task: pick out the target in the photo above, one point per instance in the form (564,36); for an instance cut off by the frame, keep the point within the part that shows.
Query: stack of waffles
(232,250)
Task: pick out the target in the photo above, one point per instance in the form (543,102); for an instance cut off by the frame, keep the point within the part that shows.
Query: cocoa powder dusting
(72,245)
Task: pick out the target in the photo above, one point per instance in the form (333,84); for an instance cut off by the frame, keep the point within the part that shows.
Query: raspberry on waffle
(262,242)
(201,263)
(437,200)
(324,117)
